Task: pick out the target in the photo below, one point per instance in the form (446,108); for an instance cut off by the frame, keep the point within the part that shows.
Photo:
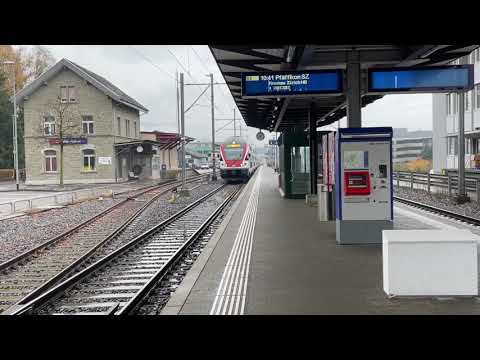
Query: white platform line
(226,274)
(232,289)
(424,219)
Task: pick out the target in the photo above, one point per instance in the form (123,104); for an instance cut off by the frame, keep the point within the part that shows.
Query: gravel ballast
(23,233)
(439,200)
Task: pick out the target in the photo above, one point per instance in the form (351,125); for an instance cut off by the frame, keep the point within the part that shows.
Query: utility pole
(182,119)
(211,83)
(214,175)
(177,111)
(234,127)
(15,139)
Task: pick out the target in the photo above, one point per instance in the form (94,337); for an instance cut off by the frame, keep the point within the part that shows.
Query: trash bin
(326,203)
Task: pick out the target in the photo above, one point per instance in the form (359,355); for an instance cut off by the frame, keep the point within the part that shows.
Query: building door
(300,170)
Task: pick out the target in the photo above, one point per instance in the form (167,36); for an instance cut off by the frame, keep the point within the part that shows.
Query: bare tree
(68,123)
(36,61)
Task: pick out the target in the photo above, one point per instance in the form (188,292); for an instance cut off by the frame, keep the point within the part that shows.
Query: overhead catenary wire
(224,126)
(206,68)
(199,96)
(151,62)
(181,65)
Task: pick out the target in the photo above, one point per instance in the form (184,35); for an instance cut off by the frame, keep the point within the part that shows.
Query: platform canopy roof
(167,140)
(278,114)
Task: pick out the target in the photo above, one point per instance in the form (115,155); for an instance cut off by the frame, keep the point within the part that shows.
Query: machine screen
(355,159)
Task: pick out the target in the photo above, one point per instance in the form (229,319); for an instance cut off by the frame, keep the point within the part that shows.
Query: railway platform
(273,256)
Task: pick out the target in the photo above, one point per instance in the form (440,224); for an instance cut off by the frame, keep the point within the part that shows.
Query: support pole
(354,104)
(178,102)
(182,121)
(214,174)
(478,190)
(234,127)
(313,149)
(449,182)
(461,144)
(428,182)
(461,196)
(15,137)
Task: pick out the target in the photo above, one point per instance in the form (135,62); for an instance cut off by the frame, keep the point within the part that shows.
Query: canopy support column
(354,103)
(312,120)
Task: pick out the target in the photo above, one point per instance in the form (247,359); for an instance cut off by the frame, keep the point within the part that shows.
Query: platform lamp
(15,141)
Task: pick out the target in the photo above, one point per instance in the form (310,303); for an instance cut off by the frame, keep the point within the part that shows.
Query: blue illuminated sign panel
(288,83)
(427,79)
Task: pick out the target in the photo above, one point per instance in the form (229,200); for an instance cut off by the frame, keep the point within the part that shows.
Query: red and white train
(237,160)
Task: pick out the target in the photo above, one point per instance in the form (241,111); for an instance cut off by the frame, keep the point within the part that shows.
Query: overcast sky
(147,73)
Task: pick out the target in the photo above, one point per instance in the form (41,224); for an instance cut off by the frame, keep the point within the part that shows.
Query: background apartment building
(99,125)
(445,123)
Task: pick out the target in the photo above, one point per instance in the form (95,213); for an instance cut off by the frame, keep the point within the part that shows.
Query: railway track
(27,275)
(119,282)
(436,210)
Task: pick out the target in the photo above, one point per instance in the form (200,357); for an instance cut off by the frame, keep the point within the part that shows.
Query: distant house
(409,145)
(102,141)
(407,149)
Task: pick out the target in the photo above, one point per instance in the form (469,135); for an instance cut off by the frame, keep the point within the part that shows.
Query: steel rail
(143,293)
(56,291)
(73,229)
(451,214)
(70,268)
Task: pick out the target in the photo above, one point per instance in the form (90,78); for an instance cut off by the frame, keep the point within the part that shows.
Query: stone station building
(98,122)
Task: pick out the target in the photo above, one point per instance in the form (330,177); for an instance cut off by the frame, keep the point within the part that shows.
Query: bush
(417,165)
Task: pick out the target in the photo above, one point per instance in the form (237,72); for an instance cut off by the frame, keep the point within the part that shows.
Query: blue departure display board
(427,79)
(288,83)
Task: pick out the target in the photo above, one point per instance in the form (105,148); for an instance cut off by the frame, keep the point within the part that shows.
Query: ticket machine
(364,191)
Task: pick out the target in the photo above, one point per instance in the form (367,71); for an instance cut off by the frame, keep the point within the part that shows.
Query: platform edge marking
(241,248)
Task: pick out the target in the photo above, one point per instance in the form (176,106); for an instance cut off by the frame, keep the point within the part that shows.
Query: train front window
(233,154)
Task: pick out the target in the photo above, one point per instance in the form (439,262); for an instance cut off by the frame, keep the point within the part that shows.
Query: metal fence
(436,183)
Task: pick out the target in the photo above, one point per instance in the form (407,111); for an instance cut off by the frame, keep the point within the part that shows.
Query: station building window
(88,160)
(68,94)
(468,145)
(455,103)
(135,128)
(50,161)
(119,126)
(452,145)
(475,146)
(127,127)
(477,98)
(87,125)
(449,105)
(49,125)
(467,97)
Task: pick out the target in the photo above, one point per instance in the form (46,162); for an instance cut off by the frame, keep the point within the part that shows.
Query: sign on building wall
(67,141)
(105,160)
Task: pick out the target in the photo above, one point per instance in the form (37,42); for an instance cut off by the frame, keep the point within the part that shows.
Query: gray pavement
(297,267)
